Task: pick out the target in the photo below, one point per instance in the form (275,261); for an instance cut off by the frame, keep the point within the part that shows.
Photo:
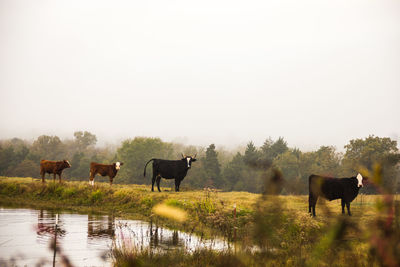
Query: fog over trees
(228,170)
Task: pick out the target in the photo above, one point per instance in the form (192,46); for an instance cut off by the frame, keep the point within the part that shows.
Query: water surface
(84,239)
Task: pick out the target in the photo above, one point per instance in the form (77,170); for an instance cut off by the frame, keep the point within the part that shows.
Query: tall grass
(266,230)
(278,233)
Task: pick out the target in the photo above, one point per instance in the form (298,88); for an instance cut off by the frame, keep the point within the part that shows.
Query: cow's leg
(43,174)
(152,182)
(54,177)
(313,204)
(348,208)
(111,181)
(59,177)
(158,183)
(177,184)
(91,178)
(343,203)
(313,208)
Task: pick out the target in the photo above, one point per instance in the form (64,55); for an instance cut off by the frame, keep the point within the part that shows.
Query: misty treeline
(239,170)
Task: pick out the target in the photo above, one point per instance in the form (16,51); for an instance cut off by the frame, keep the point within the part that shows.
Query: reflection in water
(45,225)
(158,240)
(100,226)
(175,238)
(141,235)
(153,236)
(84,239)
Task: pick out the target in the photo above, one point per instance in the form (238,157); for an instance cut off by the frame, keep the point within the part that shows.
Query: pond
(84,239)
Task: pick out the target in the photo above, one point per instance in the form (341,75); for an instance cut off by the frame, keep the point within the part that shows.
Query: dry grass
(279,225)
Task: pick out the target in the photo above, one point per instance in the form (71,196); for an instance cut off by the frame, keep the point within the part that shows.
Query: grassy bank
(267,230)
(208,212)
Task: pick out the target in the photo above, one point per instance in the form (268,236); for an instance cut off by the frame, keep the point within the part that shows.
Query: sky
(315,72)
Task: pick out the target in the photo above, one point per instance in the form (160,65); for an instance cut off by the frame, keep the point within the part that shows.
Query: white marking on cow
(188,161)
(359,178)
(117,166)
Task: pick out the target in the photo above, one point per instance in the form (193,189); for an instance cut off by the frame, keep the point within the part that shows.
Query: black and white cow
(330,188)
(170,169)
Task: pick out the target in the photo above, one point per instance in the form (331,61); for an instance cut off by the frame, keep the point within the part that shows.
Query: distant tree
(326,161)
(289,163)
(212,168)
(21,153)
(233,173)
(47,147)
(79,166)
(271,149)
(197,176)
(266,150)
(7,156)
(279,147)
(12,153)
(84,139)
(26,168)
(135,153)
(370,152)
(296,167)
(252,180)
(251,155)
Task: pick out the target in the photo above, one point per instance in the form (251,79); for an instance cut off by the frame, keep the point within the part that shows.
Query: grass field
(278,226)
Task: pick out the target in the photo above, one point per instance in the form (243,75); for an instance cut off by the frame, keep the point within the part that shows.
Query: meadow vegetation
(266,230)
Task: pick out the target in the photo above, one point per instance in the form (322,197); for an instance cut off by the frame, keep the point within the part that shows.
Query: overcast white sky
(316,72)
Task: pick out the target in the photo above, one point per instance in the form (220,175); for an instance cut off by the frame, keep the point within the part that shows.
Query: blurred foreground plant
(173,213)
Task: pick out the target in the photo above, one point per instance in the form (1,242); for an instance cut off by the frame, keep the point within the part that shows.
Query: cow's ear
(121,163)
(193,160)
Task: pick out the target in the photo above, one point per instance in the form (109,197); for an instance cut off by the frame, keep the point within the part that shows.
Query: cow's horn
(182,156)
(195,155)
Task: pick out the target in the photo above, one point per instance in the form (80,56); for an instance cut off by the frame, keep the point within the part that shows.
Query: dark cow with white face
(53,167)
(109,170)
(170,169)
(330,188)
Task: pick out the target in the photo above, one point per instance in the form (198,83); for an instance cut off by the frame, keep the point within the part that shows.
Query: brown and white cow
(53,167)
(104,170)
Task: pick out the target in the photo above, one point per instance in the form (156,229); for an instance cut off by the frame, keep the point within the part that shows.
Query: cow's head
(117,165)
(67,164)
(360,180)
(189,160)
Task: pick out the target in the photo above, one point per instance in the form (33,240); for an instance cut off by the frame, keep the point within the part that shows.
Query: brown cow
(104,170)
(54,167)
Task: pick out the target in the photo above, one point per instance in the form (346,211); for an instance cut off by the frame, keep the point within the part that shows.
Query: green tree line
(239,170)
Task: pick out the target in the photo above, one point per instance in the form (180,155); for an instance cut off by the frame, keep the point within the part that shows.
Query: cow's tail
(144,173)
